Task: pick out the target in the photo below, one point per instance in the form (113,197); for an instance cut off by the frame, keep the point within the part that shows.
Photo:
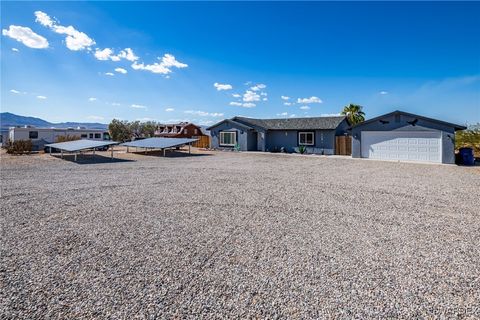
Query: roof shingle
(313,123)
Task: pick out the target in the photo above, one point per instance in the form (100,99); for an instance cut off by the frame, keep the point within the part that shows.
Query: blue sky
(94,61)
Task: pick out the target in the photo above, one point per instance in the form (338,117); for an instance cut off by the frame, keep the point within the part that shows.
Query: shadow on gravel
(169,154)
(90,159)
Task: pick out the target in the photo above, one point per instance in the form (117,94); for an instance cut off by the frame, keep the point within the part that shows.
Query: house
(42,136)
(404,136)
(179,130)
(316,133)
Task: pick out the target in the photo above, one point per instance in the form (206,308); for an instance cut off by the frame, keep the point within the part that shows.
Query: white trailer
(51,135)
(42,136)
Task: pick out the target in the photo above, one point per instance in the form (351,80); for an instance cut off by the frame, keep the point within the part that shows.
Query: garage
(403,136)
(402,145)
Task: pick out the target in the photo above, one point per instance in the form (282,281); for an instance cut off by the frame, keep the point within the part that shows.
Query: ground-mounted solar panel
(77,145)
(159,143)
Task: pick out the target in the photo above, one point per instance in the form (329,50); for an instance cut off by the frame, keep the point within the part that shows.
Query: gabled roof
(232,122)
(312,123)
(456,126)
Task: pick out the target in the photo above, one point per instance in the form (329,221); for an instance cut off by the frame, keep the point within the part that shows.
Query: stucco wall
(399,123)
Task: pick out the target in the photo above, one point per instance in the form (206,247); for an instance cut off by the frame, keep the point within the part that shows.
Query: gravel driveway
(237,235)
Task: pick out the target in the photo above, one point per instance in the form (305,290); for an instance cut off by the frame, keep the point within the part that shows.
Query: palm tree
(354,113)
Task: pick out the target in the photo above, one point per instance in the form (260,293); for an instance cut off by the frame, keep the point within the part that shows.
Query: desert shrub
(19,147)
(67,138)
(468,138)
(302,149)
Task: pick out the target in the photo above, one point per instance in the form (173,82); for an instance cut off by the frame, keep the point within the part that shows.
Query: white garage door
(402,145)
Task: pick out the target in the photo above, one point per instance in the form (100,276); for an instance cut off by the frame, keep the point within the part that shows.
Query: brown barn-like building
(179,130)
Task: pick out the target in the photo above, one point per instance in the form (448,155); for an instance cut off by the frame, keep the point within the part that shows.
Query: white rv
(41,136)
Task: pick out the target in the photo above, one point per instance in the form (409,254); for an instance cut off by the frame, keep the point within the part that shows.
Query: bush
(468,138)
(19,147)
(302,149)
(67,138)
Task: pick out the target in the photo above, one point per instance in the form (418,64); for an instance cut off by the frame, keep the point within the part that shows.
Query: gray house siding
(288,139)
(398,122)
(251,136)
(242,136)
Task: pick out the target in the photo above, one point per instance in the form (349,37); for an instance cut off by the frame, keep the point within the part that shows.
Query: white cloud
(127,54)
(145,119)
(108,54)
(15,91)
(15,50)
(383,92)
(204,113)
(251,96)
(121,70)
(304,108)
(265,99)
(258,87)
(43,18)
(248,105)
(282,114)
(285,98)
(236,95)
(288,103)
(109,74)
(92,99)
(168,61)
(115,104)
(293,115)
(41,97)
(26,36)
(237,104)
(75,40)
(220,86)
(96,118)
(138,106)
(169,109)
(104,54)
(312,99)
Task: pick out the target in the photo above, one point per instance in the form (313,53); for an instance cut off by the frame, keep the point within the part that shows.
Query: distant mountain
(8,119)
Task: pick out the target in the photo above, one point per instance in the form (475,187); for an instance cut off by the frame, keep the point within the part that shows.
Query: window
(106,136)
(90,135)
(306,138)
(33,134)
(228,138)
(196,131)
(98,135)
(185,131)
(83,136)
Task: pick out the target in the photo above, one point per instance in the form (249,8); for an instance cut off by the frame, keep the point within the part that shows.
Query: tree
(148,128)
(120,130)
(354,113)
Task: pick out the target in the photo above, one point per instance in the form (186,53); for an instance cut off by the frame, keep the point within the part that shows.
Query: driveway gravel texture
(238,235)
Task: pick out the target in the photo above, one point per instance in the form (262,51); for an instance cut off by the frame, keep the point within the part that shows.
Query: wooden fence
(343,145)
(202,142)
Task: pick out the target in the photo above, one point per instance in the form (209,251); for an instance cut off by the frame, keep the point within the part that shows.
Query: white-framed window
(228,138)
(306,138)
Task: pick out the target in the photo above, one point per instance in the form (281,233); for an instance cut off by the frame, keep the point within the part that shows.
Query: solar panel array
(78,145)
(159,143)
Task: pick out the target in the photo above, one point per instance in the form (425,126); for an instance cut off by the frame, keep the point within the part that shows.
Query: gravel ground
(238,235)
